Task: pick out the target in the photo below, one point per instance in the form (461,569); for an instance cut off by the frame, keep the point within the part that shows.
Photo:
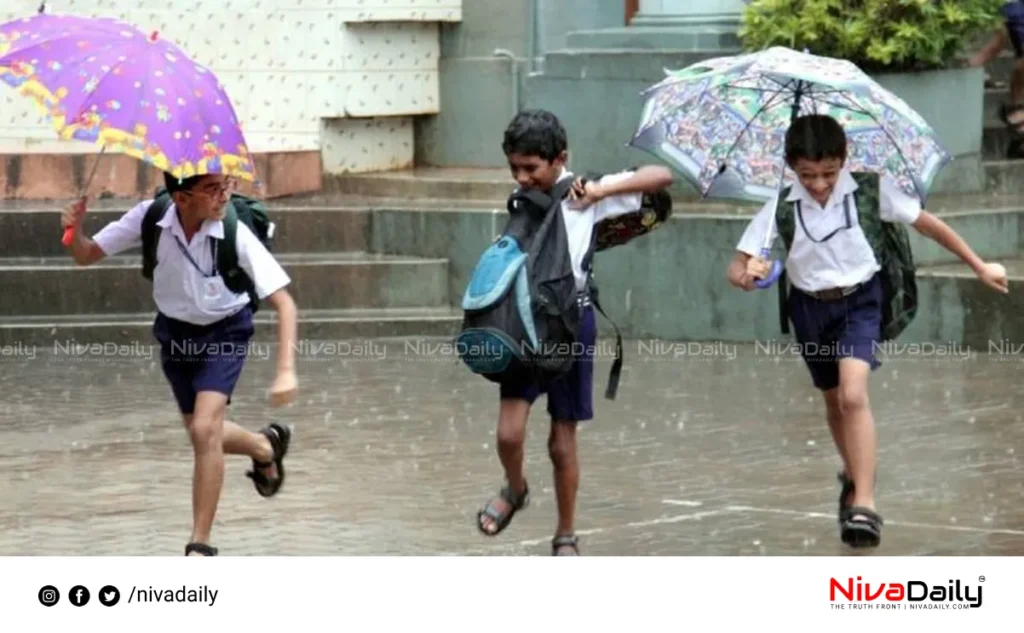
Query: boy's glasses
(213,190)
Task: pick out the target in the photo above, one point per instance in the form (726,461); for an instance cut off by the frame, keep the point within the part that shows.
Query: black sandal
(844,494)
(862,527)
(503,519)
(280,437)
(563,541)
(201,548)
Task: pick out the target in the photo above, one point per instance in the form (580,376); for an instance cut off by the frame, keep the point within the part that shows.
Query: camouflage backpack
(891,243)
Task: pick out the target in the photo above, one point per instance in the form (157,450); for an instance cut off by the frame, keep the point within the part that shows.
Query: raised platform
(60,176)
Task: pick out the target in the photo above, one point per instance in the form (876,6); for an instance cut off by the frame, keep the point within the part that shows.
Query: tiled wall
(344,76)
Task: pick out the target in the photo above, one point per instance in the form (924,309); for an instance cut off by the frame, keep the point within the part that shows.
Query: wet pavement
(710,449)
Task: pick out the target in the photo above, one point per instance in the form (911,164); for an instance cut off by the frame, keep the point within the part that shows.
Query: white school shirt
(579,223)
(844,260)
(180,291)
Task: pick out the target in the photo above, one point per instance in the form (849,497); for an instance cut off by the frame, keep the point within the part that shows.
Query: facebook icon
(79,596)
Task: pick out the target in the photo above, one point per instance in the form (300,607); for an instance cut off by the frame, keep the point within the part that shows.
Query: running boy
(198,318)
(535,146)
(836,297)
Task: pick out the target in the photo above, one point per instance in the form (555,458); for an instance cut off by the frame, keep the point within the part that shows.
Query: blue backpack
(521,317)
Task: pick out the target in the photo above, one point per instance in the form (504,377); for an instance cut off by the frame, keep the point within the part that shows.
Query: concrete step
(33,229)
(955,306)
(1001,68)
(994,100)
(41,286)
(1004,177)
(623,63)
(490,185)
(995,141)
(20,336)
(720,40)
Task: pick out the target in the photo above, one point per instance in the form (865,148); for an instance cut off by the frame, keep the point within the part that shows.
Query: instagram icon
(49,596)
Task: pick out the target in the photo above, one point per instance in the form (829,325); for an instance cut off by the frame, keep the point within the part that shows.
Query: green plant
(877,35)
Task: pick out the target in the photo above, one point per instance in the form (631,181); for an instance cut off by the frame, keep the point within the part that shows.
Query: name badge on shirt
(212,288)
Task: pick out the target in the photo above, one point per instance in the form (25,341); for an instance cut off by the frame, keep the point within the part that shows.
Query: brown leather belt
(834,294)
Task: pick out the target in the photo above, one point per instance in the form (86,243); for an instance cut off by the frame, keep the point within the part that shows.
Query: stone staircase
(343,289)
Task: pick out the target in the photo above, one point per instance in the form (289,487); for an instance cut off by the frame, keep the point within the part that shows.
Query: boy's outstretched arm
(285,384)
(992,275)
(647,179)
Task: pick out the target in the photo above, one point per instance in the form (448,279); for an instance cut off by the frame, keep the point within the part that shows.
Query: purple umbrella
(101,80)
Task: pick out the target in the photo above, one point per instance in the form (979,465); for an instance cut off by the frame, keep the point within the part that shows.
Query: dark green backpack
(891,243)
(240,209)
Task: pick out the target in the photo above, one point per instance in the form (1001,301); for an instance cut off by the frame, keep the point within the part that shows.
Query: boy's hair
(535,133)
(815,137)
(174,184)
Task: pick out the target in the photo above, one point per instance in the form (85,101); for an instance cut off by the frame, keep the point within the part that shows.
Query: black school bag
(240,208)
(521,318)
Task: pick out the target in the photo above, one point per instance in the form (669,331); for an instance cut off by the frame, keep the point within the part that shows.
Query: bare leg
(1017,93)
(858,430)
(206,431)
(511,436)
(239,441)
(562,449)
(991,49)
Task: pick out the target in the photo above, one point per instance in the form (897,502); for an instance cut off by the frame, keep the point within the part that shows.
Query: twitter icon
(109,596)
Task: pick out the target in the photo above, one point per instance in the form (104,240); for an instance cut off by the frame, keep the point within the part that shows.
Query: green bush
(877,35)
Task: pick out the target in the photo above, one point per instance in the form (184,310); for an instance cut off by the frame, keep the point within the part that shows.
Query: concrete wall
(344,76)
(478,90)
(671,284)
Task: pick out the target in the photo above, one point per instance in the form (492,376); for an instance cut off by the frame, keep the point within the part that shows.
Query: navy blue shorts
(203,357)
(1013,12)
(570,396)
(830,330)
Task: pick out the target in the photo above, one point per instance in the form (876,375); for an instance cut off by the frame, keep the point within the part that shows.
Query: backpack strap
(785,224)
(592,290)
(234,276)
(151,231)
(869,205)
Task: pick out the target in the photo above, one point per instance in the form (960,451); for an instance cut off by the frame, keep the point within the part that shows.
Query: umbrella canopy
(722,122)
(101,80)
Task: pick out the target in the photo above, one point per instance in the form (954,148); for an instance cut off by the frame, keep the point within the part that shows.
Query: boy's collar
(845,185)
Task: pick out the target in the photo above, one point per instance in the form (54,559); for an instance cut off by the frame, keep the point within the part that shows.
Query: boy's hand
(72,216)
(285,388)
(994,276)
(757,268)
(584,195)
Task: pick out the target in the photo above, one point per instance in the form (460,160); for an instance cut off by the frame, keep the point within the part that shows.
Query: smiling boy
(836,300)
(199,315)
(536,147)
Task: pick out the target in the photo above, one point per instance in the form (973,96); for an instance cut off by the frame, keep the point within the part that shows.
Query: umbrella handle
(69,232)
(773,276)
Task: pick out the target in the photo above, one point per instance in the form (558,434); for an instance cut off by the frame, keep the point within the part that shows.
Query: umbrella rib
(760,111)
(899,151)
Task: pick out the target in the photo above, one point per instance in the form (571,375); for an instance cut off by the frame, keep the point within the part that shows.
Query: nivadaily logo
(913,594)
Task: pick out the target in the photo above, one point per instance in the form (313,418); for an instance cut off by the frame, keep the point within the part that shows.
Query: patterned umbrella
(722,122)
(100,80)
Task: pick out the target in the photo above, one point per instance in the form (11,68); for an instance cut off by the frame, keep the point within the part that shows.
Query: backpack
(521,318)
(654,211)
(890,242)
(240,209)
(521,321)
